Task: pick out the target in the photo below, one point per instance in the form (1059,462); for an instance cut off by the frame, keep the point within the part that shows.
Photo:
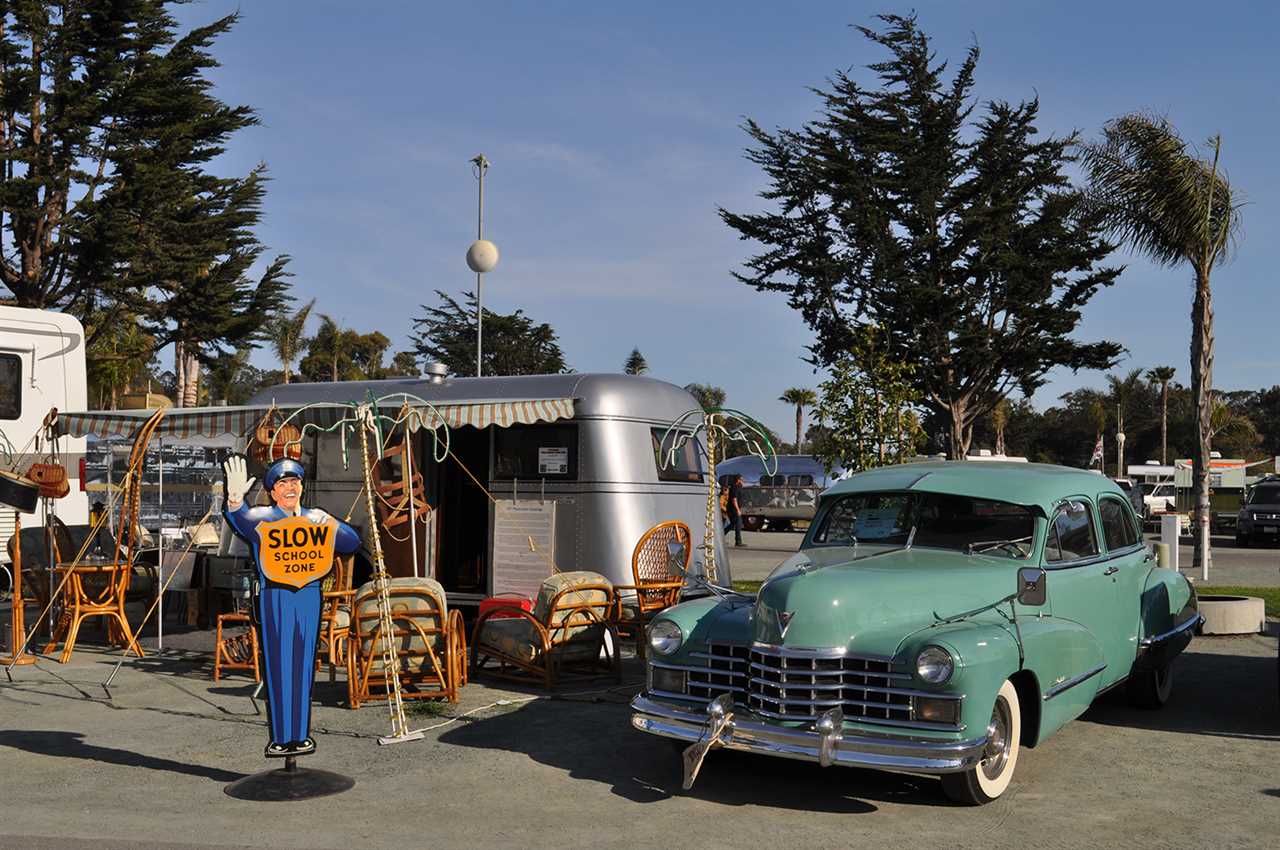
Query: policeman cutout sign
(296,551)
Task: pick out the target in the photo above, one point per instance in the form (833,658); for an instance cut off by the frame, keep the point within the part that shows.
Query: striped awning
(210,422)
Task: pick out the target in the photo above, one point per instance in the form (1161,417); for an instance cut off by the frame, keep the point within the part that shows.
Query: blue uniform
(289,621)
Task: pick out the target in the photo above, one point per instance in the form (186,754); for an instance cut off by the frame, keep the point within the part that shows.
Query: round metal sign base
(289,783)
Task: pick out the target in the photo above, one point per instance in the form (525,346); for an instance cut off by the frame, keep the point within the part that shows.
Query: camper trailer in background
(583,482)
(42,366)
(777,498)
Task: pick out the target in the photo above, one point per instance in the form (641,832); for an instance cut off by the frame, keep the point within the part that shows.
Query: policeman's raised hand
(238,480)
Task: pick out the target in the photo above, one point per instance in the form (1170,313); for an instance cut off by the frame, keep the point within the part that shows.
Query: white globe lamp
(482,256)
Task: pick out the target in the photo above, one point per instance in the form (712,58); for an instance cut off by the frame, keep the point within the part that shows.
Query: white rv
(42,366)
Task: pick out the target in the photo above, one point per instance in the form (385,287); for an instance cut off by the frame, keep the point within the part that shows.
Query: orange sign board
(296,551)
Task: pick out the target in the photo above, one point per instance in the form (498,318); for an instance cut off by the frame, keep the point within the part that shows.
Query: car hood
(869,604)
(1263,507)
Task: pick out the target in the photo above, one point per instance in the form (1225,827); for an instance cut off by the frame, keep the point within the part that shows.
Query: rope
(390,665)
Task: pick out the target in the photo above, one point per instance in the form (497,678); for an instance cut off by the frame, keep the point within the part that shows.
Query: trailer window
(536,451)
(684,464)
(10,386)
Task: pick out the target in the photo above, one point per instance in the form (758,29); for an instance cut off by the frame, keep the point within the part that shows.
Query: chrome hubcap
(996,753)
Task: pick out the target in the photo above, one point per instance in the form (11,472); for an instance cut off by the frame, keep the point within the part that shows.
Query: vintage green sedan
(938,618)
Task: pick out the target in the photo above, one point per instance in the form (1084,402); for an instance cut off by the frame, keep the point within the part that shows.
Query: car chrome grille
(795,684)
(1267,517)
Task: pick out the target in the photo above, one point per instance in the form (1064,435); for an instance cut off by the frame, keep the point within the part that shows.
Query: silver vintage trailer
(572,462)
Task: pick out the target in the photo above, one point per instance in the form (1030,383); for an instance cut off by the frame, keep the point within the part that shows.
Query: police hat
(286,468)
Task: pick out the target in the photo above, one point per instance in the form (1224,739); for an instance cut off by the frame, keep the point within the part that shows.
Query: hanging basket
(272,443)
(52,479)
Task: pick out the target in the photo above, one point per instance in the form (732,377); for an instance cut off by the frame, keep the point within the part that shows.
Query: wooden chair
(335,614)
(229,651)
(657,584)
(429,642)
(565,633)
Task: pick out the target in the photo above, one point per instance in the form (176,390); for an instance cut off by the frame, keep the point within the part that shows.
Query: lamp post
(482,256)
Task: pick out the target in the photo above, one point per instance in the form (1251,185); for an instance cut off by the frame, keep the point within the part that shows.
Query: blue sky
(614,135)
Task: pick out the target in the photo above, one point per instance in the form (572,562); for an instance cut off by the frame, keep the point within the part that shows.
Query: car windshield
(1265,494)
(941,521)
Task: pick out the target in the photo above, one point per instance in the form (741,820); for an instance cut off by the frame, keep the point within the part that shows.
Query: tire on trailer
(752,523)
(989,778)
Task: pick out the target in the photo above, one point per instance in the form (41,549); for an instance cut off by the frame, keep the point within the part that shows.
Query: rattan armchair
(658,580)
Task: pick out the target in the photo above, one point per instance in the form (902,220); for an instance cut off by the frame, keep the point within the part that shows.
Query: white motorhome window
(10,386)
(686,465)
(536,451)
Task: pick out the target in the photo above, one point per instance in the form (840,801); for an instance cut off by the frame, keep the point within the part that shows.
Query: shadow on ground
(1230,696)
(72,745)
(595,742)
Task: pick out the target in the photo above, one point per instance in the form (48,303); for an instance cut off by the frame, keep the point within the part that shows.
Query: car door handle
(1110,570)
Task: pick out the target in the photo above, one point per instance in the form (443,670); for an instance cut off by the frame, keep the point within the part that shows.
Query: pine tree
(513,344)
(963,242)
(636,364)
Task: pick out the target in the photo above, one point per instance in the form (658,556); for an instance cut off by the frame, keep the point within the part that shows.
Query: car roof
(1035,485)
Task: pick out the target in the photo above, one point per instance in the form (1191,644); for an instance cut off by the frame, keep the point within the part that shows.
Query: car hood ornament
(784,620)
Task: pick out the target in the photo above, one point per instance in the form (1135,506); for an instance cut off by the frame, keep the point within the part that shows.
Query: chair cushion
(421,600)
(561,581)
(342,618)
(517,638)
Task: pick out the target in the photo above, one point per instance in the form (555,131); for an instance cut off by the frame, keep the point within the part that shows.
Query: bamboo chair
(84,601)
(429,642)
(657,582)
(565,633)
(335,613)
(228,651)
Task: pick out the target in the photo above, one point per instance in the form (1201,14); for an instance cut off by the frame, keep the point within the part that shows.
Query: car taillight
(83,469)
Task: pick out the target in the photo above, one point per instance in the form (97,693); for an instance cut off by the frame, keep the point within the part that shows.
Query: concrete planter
(1233,615)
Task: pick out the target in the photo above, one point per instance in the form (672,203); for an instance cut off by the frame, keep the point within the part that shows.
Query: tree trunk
(1000,440)
(960,434)
(335,367)
(192,396)
(179,373)
(1164,424)
(286,371)
(1202,392)
(799,414)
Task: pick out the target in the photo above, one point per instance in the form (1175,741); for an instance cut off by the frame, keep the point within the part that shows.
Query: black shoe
(302,748)
(743,545)
(276,751)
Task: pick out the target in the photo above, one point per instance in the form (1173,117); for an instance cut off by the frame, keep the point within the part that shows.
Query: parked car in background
(938,618)
(1259,517)
(1159,498)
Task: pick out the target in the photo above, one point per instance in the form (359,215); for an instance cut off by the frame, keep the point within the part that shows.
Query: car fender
(1169,611)
(1066,661)
(985,653)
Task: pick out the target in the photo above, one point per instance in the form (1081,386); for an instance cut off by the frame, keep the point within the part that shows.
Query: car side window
(1071,535)
(1117,526)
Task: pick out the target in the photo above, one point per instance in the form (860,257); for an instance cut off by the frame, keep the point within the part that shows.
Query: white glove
(318,516)
(238,480)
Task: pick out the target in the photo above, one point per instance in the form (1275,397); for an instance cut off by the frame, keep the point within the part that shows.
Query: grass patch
(747,586)
(428,708)
(1270,595)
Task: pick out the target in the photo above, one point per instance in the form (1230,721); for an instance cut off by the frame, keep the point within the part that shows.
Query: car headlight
(665,637)
(935,665)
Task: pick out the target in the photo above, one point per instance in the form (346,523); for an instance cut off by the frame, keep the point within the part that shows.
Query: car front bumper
(751,733)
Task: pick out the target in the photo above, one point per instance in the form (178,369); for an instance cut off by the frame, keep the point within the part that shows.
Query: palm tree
(1162,375)
(1173,206)
(286,337)
(1122,390)
(801,398)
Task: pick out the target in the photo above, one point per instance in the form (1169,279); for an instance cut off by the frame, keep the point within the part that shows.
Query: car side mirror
(1031,589)
(675,557)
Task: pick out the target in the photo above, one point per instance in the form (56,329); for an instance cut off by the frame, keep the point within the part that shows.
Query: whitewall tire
(987,780)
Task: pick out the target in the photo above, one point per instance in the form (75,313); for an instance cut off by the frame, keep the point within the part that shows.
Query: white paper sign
(553,460)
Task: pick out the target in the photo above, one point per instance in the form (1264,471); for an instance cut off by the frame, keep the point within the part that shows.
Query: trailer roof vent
(437,372)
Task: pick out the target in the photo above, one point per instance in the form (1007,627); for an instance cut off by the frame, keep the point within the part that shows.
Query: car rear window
(1117,526)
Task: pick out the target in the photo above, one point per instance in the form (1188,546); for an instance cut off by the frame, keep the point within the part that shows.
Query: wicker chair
(657,581)
(565,633)
(335,614)
(429,642)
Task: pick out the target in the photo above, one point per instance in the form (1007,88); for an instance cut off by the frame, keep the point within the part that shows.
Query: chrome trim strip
(693,668)
(902,708)
(1161,638)
(866,688)
(808,652)
(1071,683)
(745,732)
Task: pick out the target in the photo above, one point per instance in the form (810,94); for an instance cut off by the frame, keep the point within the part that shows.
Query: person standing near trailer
(735,510)
(293,549)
